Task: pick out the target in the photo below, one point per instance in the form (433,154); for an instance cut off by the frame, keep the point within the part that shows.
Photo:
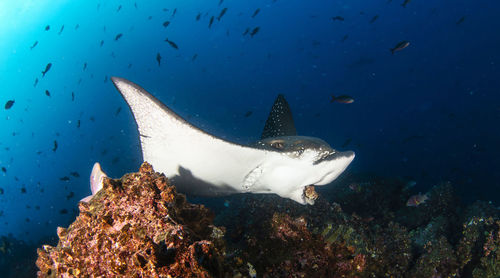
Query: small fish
(84,66)
(400,46)
(222,14)
(78,124)
(119,8)
(105,78)
(47,93)
(198,17)
(220,2)
(70,195)
(410,184)
(47,28)
(246,31)
(342,99)
(60,31)
(72,96)
(77,26)
(150,17)
(173,44)
(175,11)
(255,13)
(55,146)
(63,211)
(194,57)
(102,42)
(47,68)
(346,143)
(166,23)
(158,58)
(460,20)
(118,36)
(248,114)
(36,82)
(65,178)
(135,5)
(416,200)
(4,169)
(344,38)
(118,111)
(211,21)
(9,104)
(374,19)
(34,44)
(75,174)
(1,191)
(23,190)
(338,17)
(254,31)
(405,3)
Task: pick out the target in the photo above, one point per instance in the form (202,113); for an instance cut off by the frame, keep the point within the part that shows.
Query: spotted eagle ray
(202,164)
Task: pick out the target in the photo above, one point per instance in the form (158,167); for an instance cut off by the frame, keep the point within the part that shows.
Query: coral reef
(137,226)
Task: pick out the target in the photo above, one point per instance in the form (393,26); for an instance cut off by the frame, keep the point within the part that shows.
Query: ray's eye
(278,145)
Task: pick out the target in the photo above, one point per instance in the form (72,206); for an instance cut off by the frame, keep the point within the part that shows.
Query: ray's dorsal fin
(280,120)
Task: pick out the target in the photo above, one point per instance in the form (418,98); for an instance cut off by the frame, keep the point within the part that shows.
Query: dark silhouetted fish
(105,78)
(194,57)
(70,195)
(4,169)
(77,26)
(198,17)
(34,44)
(36,82)
(65,178)
(23,190)
(47,68)
(400,46)
(150,17)
(1,191)
(220,2)
(211,21)
(55,146)
(460,20)
(75,174)
(338,17)
(246,31)
(118,110)
(84,66)
(158,58)
(344,38)
(254,31)
(346,143)
(78,124)
(72,96)
(248,114)
(47,28)
(405,3)
(342,99)
(118,36)
(175,11)
(374,19)
(47,93)
(166,23)
(9,104)
(63,211)
(173,44)
(102,42)
(222,13)
(60,31)
(255,13)
(119,8)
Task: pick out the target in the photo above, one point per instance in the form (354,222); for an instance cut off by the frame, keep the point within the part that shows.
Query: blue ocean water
(427,113)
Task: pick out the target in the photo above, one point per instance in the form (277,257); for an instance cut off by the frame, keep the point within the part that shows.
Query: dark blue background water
(428,113)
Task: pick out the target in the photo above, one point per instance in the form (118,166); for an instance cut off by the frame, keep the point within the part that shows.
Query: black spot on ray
(280,120)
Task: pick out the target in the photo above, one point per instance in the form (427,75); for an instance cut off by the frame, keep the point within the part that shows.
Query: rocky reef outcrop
(136,226)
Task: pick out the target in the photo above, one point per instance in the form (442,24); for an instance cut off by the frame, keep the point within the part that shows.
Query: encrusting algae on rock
(137,226)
